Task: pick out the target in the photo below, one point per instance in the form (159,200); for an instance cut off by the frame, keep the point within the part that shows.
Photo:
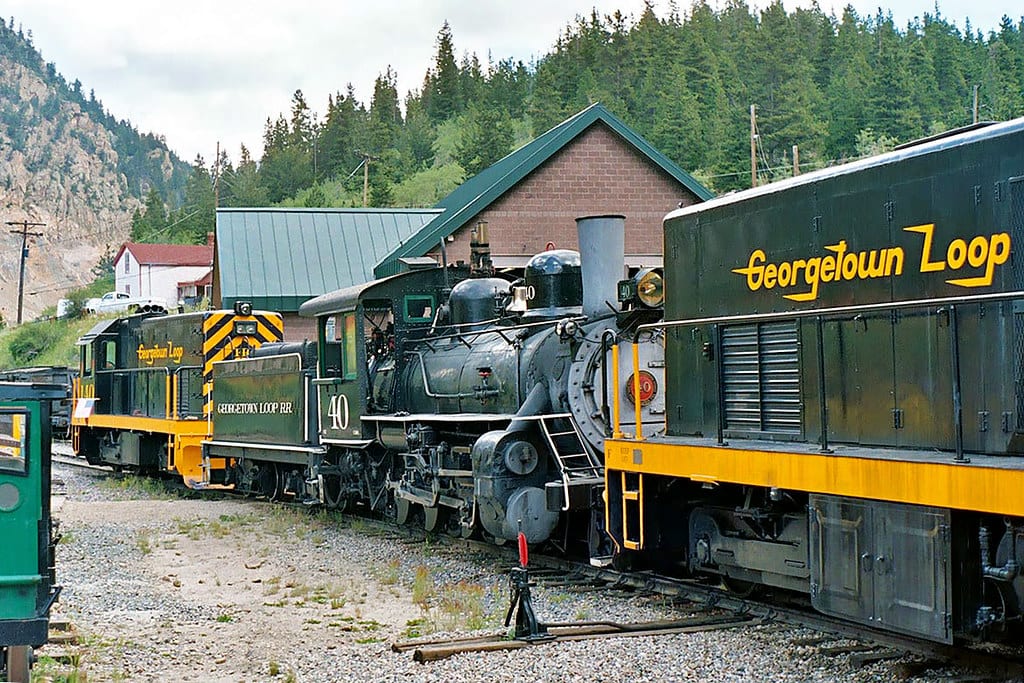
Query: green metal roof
(279,258)
(478,192)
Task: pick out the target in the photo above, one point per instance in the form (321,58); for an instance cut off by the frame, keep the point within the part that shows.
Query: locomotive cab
(357,328)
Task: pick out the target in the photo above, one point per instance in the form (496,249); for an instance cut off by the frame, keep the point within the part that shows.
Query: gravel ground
(162,588)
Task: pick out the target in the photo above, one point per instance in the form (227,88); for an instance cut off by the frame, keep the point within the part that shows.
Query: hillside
(67,163)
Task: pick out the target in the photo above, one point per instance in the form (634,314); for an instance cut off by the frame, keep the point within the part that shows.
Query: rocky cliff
(66,163)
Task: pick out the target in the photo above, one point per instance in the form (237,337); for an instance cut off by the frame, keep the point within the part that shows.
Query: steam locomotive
(845,392)
(450,395)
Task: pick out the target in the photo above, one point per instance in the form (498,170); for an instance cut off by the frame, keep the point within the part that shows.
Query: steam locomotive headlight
(650,288)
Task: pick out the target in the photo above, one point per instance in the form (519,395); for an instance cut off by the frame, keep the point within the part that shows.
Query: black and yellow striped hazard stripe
(221,343)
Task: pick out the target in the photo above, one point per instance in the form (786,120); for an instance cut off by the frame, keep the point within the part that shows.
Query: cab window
(419,308)
(86,369)
(13,444)
(330,358)
(339,335)
(108,355)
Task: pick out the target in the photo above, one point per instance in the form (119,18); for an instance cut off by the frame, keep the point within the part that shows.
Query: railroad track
(717,608)
(80,463)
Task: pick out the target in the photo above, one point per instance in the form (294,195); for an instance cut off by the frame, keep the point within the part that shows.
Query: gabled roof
(168,254)
(203,281)
(478,192)
(279,258)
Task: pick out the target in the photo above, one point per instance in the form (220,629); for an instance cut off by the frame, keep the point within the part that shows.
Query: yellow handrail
(616,425)
(636,392)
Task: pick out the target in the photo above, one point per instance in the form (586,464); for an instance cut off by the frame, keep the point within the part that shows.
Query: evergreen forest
(835,87)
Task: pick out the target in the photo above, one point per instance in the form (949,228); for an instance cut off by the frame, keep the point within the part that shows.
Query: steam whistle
(527,626)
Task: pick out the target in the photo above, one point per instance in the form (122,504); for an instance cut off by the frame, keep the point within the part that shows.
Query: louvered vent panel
(761,378)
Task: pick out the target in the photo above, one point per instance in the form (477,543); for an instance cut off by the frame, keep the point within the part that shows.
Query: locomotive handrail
(426,380)
(170,388)
(498,330)
(820,314)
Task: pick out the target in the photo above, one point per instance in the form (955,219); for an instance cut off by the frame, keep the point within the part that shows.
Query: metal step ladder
(632,510)
(576,461)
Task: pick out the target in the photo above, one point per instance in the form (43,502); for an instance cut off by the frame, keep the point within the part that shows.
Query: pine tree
(197,215)
(486,138)
(342,132)
(301,131)
(416,137)
(851,73)
(246,190)
(443,80)
(385,116)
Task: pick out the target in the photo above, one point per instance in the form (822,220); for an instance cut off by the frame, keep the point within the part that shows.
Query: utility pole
(367,158)
(753,145)
(796,160)
(25,234)
(975,103)
(366,179)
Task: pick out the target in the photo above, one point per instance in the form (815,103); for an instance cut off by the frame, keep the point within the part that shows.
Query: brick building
(590,164)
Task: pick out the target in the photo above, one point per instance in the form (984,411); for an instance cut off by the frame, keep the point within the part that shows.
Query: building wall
(598,173)
(298,329)
(126,274)
(153,281)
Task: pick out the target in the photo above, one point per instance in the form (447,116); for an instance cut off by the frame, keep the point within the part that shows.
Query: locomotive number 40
(337,411)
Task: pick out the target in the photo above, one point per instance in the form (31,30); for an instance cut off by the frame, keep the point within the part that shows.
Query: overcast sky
(199,72)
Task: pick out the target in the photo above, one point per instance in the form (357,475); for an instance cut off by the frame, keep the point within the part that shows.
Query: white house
(156,270)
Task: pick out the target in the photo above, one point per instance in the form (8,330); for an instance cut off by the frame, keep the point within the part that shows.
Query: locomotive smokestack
(603,255)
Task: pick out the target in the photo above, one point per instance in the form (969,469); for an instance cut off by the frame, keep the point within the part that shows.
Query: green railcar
(27,577)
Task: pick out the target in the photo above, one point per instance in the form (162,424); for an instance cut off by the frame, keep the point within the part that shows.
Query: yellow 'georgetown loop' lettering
(155,353)
(982,251)
(808,273)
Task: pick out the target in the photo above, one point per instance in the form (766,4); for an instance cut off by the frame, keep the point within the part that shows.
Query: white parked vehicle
(115,302)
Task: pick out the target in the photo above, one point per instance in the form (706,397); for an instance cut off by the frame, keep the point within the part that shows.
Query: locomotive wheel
(457,529)
(19,661)
(402,507)
(433,517)
(739,587)
(270,481)
(332,492)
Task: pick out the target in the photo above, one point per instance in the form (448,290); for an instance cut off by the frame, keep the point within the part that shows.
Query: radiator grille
(761,378)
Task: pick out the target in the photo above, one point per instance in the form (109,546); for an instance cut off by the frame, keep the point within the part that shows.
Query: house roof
(474,195)
(279,258)
(205,280)
(168,254)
